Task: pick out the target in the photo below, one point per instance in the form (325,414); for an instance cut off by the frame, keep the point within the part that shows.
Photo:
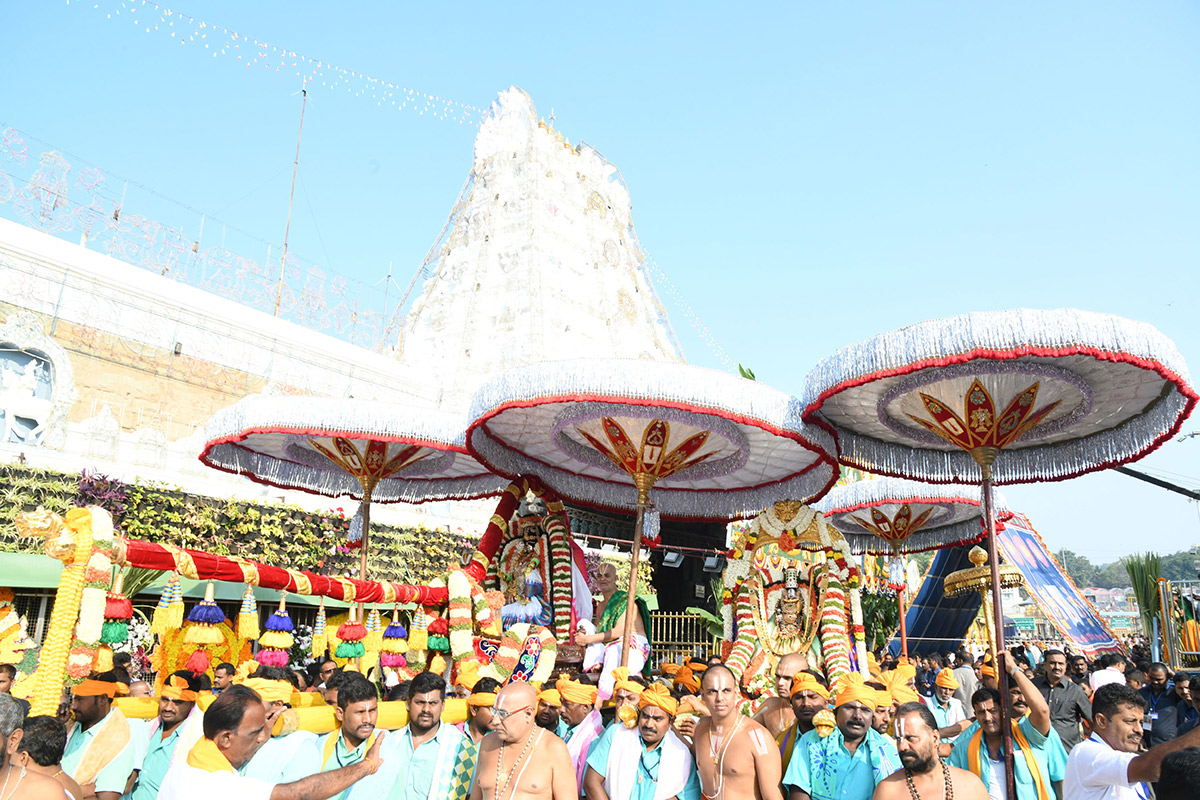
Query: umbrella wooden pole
(985,457)
(903,627)
(368,487)
(643,482)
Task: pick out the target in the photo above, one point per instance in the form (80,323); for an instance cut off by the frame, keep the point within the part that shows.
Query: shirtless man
(736,757)
(519,760)
(917,740)
(776,714)
(604,646)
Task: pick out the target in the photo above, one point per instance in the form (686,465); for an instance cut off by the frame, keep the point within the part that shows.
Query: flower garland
(461,627)
(834,634)
(173,652)
(93,597)
(527,653)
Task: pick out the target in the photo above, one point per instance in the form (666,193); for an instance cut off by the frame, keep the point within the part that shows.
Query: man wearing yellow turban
(549,713)
(626,691)
(99,750)
(950,715)
(808,697)
(178,726)
(687,680)
(852,760)
(284,758)
(646,763)
(480,708)
(579,710)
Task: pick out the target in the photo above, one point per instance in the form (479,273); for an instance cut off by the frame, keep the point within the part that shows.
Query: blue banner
(1055,593)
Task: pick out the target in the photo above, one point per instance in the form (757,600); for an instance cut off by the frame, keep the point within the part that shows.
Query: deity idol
(790,588)
(521,568)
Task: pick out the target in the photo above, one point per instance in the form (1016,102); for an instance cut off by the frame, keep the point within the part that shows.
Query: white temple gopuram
(538,261)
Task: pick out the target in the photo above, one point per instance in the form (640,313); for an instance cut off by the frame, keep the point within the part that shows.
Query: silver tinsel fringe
(756,408)
(1006,331)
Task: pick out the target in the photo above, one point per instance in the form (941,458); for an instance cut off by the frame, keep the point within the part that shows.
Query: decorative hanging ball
(202,630)
(374,640)
(393,647)
(277,639)
(351,632)
(247,623)
(418,635)
(117,613)
(320,636)
(168,614)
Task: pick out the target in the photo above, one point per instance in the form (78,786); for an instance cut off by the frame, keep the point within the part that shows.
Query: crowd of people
(927,727)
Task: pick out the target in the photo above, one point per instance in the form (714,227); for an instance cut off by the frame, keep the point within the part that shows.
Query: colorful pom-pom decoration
(277,639)
(418,635)
(320,636)
(247,621)
(203,620)
(117,613)
(394,636)
(168,614)
(374,639)
(351,632)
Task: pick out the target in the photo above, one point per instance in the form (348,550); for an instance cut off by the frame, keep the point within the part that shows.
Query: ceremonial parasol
(891,516)
(625,435)
(1061,393)
(372,451)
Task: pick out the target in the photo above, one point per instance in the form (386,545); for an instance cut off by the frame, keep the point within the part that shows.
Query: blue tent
(936,623)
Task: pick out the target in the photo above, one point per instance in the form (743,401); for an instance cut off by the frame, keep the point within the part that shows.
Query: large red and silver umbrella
(1002,397)
(369,450)
(893,516)
(627,435)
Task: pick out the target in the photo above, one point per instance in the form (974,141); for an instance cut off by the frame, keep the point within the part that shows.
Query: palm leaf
(1144,570)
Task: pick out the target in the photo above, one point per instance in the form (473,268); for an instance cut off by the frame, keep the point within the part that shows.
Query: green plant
(713,624)
(881,617)
(1144,570)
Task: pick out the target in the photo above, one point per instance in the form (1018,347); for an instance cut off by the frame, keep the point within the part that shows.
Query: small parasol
(893,516)
(1061,393)
(651,437)
(977,579)
(372,451)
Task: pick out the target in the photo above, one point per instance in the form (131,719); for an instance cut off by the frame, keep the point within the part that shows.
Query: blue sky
(806,174)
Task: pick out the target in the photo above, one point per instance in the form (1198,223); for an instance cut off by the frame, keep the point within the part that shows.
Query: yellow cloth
(945,678)
(976,745)
(905,694)
(686,678)
(91,687)
(576,692)
(621,674)
(331,744)
(987,671)
(176,688)
(468,674)
(550,697)
(902,674)
(670,669)
(884,698)
(852,689)
(659,696)
(696,666)
(803,682)
(270,691)
(482,699)
(108,742)
(207,756)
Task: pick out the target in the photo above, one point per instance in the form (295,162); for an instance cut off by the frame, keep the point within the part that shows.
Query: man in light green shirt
(428,759)
(356,713)
(99,754)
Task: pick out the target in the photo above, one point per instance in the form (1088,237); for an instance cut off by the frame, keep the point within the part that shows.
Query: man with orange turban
(687,680)
(549,713)
(646,763)
(178,726)
(809,696)
(100,751)
(580,712)
(950,715)
(852,760)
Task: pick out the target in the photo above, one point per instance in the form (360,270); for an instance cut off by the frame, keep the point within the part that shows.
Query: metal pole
(643,482)
(985,457)
(288,227)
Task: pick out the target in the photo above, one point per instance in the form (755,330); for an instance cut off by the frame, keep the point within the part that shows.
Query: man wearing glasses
(519,760)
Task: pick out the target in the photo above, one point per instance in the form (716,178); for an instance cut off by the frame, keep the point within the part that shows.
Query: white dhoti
(609,655)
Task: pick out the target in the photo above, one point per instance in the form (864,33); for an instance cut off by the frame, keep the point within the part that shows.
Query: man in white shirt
(235,726)
(1106,765)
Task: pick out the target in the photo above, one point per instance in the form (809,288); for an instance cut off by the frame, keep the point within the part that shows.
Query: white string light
(221,41)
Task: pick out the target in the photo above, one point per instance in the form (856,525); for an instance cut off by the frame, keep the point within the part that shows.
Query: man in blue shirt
(642,764)
(1161,723)
(852,760)
(178,727)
